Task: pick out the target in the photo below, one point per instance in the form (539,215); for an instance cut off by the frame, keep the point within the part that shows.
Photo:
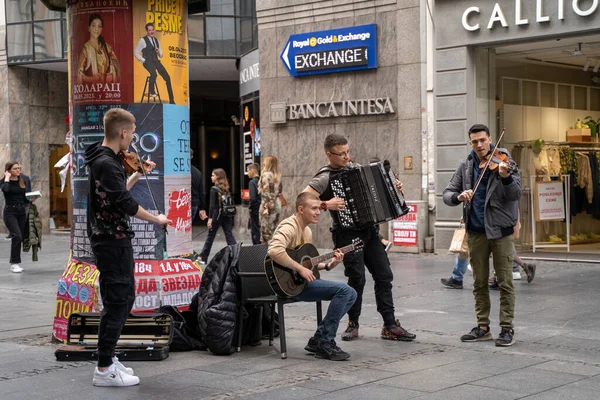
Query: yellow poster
(160,51)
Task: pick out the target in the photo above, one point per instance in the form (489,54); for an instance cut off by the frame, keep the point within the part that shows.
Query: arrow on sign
(285,54)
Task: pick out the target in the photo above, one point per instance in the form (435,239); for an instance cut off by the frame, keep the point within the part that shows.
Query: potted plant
(593,124)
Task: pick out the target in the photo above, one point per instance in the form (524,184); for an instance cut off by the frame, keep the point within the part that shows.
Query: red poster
(76,293)
(101,62)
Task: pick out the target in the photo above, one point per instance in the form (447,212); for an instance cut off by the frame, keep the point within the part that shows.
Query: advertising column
(131,55)
(250,124)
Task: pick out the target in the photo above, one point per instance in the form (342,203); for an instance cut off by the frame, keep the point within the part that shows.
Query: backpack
(227,206)
(185,332)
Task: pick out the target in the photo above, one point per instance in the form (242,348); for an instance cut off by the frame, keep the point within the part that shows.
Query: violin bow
(489,160)
(148,183)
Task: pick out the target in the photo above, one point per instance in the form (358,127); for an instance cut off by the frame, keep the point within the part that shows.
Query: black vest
(149,52)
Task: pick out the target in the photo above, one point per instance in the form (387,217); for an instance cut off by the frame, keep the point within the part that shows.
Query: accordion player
(370,194)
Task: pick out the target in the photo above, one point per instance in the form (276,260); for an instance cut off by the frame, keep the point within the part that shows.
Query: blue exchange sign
(337,50)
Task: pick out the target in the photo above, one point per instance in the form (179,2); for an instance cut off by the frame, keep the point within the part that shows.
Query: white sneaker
(16,269)
(114,377)
(516,276)
(470,268)
(121,367)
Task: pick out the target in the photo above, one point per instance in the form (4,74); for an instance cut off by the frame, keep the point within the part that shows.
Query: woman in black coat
(15,210)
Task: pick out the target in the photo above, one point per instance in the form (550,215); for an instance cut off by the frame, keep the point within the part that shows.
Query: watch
(326,267)
(324,206)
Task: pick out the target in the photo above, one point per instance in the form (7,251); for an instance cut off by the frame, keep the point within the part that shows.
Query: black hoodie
(109,202)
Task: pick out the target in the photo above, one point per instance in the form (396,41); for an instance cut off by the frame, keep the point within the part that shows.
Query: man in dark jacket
(198,194)
(490,214)
(110,205)
(254,202)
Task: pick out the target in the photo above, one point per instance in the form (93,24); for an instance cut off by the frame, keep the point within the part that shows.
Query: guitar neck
(319,259)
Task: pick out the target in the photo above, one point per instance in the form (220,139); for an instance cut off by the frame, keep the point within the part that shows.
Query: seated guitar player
(293,232)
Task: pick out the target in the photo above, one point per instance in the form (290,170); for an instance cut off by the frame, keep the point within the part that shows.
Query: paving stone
(371,391)
(528,380)
(575,368)
(294,392)
(470,392)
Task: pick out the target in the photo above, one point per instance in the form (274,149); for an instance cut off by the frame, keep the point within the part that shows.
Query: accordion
(370,194)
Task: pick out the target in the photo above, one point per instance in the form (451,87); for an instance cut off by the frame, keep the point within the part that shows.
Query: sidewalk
(557,354)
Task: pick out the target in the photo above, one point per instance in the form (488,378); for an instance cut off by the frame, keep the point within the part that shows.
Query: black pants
(117,288)
(374,257)
(227,224)
(255,227)
(15,218)
(156,66)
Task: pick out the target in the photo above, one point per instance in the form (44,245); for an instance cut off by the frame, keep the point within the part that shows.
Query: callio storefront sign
(471,17)
(281,112)
(337,50)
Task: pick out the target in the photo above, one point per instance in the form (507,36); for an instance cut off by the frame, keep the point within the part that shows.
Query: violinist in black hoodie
(110,205)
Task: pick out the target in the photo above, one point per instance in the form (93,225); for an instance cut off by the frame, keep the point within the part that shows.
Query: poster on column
(161,51)
(100,56)
(178,196)
(88,129)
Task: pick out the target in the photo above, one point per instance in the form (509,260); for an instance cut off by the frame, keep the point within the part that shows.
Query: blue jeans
(342,297)
(460,267)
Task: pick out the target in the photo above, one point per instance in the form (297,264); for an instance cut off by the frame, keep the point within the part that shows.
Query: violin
(132,162)
(496,159)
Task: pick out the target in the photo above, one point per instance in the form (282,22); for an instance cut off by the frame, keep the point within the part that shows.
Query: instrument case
(145,337)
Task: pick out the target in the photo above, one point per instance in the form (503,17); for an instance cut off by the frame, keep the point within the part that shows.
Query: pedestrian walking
(14,188)
(270,188)
(255,200)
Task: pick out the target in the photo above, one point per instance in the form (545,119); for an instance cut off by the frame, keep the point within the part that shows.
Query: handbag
(282,200)
(459,241)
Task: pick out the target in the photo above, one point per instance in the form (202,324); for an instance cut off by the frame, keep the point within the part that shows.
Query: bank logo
(313,42)
(277,113)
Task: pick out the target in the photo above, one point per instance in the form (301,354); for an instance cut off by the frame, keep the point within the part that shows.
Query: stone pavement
(557,354)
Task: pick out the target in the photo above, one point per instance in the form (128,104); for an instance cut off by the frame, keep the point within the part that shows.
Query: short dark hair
(253,166)
(479,128)
(149,24)
(304,197)
(333,140)
(115,120)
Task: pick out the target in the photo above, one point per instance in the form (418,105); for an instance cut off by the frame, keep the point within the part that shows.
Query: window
(228,30)
(34,33)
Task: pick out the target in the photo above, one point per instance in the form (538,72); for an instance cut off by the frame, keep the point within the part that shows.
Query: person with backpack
(220,213)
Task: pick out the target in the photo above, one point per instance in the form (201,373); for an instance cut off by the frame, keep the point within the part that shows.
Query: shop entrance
(60,201)
(546,95)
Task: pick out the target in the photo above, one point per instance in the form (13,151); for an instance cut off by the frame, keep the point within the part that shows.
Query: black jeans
(15,218)
(154,66)
(117,288)
(255,227)
(374,257)
(227,224)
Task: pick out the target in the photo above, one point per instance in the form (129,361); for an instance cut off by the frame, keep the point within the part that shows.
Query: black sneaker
(397,332)
(452,283)
(506,337)
(351,331)
(476,335)
(494,284)
(529,271)
(311,346)
(330,351)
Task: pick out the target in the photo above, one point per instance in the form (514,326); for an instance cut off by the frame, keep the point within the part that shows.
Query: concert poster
(88,128)
(100,61)
(160,48)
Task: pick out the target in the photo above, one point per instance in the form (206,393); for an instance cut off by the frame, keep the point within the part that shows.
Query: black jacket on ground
(217,301)
(109,202)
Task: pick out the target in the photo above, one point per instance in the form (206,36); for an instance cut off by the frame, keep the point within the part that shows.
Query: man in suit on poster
(148,51)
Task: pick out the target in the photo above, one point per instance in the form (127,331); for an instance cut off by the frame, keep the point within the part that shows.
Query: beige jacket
(288,235)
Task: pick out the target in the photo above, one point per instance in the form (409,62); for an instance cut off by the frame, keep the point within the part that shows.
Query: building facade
(394,134)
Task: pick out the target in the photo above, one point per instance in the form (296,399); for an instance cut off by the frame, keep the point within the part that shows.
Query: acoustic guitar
(286,282)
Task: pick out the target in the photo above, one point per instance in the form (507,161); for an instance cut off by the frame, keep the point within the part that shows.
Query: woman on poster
(98,62)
